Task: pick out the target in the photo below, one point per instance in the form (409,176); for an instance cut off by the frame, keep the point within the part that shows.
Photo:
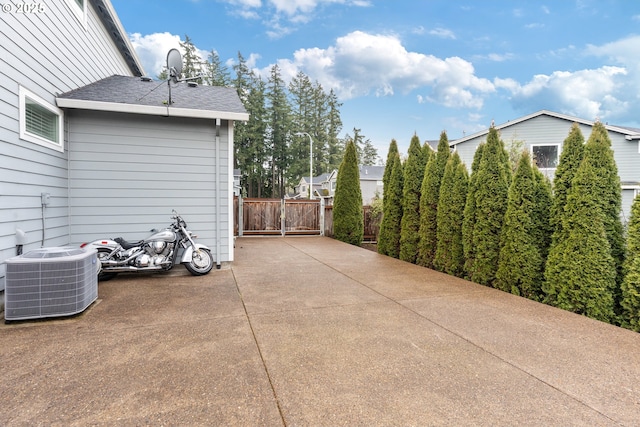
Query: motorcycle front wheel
(201,262)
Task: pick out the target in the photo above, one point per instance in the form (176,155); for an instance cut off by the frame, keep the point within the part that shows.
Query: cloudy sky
(419,66)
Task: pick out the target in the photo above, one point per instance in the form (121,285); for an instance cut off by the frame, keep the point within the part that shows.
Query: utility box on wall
(50,282)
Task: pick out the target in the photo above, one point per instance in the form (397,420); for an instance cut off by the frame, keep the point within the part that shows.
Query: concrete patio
(308,331)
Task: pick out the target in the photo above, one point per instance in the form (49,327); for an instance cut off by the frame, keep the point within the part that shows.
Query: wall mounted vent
(50,282)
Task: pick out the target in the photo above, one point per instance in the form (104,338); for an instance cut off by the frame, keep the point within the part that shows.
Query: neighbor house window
(79,8)
(546,156)
(40,122)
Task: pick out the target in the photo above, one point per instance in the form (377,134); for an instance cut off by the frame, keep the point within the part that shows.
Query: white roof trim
(627,132)
(123,34)
(151,110)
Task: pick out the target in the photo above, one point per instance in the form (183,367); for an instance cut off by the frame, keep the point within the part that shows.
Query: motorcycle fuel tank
(164,235)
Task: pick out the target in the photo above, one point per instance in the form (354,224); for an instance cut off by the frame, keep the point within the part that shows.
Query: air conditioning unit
(50,282)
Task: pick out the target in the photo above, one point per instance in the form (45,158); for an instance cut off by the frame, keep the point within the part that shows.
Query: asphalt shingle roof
(136,91)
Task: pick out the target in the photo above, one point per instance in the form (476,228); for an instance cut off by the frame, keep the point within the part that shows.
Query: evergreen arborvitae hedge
(469,220)
(429,202)
(609,196)
(449,256)
(631,284)
(492,188)
(389,238)
(348,217)
(391,154)
(542,228)
(570,158)
(581,272)
(412,181)
(521,262)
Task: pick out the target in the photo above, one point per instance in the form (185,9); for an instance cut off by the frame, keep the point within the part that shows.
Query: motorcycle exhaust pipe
(129,268)
(114,263)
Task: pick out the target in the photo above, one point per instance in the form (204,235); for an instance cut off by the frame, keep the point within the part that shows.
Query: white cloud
(607,92)
(152,50)
(587,93)
(360,64)
(443,33)
(291,7)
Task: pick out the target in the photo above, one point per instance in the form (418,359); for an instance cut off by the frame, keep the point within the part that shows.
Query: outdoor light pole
(310,162)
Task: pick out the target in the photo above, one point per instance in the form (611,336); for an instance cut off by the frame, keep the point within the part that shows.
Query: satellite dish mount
(174,67)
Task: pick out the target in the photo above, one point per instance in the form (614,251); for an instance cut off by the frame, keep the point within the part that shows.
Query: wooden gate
(275,216)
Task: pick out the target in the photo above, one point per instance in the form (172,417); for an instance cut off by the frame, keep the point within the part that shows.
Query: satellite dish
(174,64)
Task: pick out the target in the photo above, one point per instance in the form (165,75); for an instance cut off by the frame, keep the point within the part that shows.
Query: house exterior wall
(369,189)
(45,53)
(127,172)
(545,130)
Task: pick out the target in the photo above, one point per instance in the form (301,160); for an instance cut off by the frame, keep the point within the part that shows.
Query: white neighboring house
(370,184)
(85,154)
(543,133)
(301,190)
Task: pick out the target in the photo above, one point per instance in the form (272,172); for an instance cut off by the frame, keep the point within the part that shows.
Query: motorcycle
(158,252)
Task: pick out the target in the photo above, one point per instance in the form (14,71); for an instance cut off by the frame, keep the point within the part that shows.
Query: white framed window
(546,156)
(40,122)
(79,8)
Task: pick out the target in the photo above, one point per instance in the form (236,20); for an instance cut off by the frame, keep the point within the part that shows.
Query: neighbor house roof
(144,96)
(630,133)
(316,179)
(371,173)
(110,20)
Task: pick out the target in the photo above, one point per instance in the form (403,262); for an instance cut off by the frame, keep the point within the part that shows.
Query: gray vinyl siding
(47,53)
(128,171)
(546,129)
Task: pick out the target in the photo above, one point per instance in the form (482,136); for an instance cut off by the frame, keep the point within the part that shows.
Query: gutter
(151,110)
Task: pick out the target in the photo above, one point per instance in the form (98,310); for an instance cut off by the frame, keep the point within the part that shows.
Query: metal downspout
(218,194)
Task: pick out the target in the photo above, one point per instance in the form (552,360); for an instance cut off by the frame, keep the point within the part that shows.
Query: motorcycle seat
(128,245)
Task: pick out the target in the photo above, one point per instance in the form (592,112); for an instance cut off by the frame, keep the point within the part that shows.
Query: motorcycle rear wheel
(201,262)
(104,276)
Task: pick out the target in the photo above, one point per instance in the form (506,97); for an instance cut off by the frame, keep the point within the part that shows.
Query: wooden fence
(276,216)
(371,226)
(288,217)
